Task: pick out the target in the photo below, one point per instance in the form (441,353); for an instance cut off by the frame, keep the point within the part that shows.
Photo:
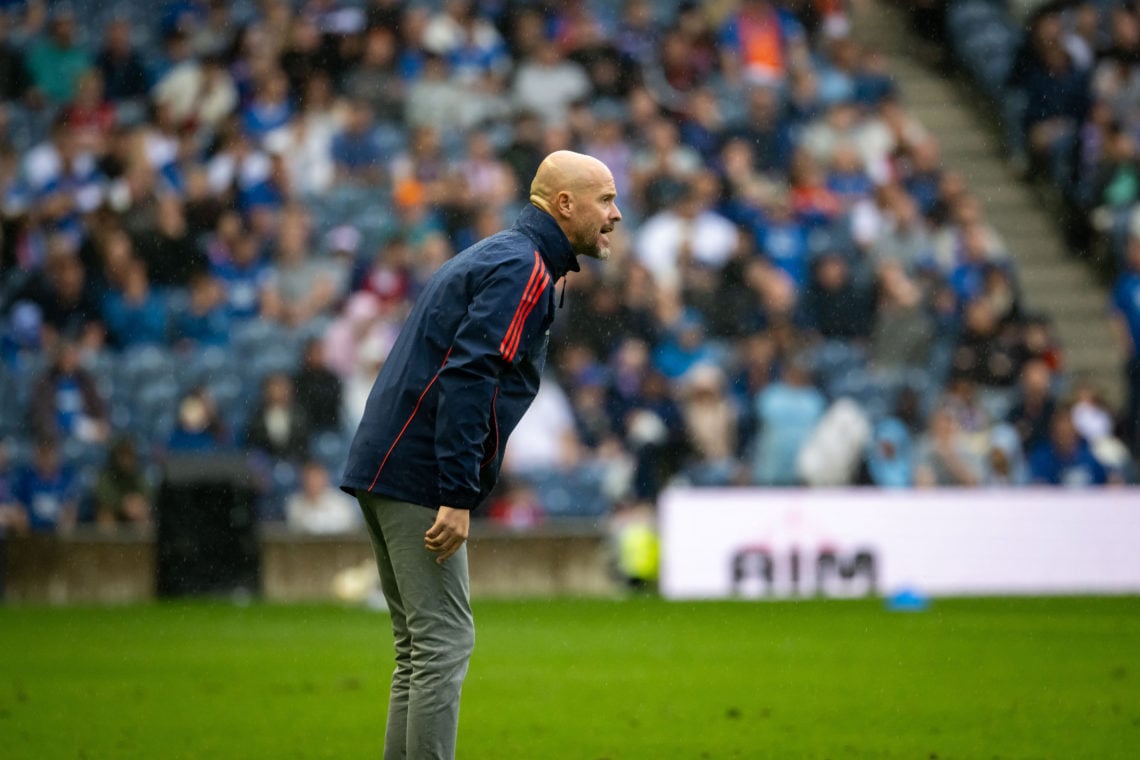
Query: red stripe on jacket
(522,309)
(514,347)
(404,429)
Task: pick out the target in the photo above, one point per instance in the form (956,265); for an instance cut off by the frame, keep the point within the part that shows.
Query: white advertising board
(753,543)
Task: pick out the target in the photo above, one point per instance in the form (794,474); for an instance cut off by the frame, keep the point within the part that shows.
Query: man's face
(595,214)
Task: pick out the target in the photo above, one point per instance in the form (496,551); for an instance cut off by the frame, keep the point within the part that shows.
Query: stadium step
(1052,281)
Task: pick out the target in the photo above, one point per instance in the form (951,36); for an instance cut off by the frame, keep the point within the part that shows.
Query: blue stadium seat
(205,366)
(251,336)
(270,359)
(141,366)
(330,449)
(154,409)
(577,493)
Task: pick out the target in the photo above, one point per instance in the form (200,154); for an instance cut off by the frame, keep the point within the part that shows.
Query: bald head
(579,192)
(565,170)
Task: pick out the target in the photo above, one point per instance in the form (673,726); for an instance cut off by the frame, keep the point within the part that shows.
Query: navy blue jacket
(464,369)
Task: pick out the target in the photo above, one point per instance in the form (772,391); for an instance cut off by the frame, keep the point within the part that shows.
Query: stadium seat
(141,366)
(577,493)
(205,366)
(330,448)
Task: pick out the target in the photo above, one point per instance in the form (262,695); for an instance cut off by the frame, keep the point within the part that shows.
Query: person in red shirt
(89,114)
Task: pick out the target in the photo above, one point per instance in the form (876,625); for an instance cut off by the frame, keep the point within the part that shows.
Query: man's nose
(616,215)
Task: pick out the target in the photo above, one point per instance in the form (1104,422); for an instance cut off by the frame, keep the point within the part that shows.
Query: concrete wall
(87,567)
(92,567)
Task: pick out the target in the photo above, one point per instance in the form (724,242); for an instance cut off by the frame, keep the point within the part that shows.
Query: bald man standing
(464,370)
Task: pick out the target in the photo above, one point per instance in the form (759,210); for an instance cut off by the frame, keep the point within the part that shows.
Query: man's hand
(448,533)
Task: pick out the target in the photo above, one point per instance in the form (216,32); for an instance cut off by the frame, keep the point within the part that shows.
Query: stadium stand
(237,180)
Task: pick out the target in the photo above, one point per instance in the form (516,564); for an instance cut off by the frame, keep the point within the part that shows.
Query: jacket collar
(553,245)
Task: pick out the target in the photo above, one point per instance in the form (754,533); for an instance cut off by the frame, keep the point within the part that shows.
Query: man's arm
(502,321)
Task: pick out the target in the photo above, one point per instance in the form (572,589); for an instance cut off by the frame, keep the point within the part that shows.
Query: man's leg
(437,617)
(396,733)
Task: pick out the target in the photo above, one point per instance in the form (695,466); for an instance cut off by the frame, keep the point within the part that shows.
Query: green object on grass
(643,678)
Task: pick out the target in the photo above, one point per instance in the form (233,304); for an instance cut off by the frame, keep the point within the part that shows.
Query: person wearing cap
(464,369)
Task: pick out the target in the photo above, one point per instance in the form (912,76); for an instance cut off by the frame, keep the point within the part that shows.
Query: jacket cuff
(459,499)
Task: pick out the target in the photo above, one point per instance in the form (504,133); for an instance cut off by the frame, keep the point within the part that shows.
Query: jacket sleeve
(502,320)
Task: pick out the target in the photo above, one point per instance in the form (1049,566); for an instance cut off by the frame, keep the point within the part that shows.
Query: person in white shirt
(318,507)
(684,231)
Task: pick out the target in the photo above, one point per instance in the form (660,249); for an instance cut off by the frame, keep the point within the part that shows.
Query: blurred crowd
(1065,77)
(216,215)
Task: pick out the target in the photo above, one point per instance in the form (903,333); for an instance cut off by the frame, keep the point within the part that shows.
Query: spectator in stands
(122,495)
(903,330)
(1126,326)
(902,237)
(270,108)
(13,518)
(318,389)
(834,305)
(197,426)
(975,258)
(787,412)
(305,143)
(66,297)
(547,83)
(1031,413)
(711,426)
(435,98)
(654,434)
(171,255)
(15,81)
(89,114)
(279,426)
(57,60)
(244,277)
(206,320)
(943,457)
(47,490)
(375,79)
(661,165)
(62,179)
(178,79)
(487,181)
(985,352)
(1065,458)
(524,153)
(1057,95)
(1094,421)
(1005,459)
(298,287)
(318,507)
(301,57)
(761,43)
(684,234)
(355,152)
(889,460)
(124,72)
(813,202)
(683,346)
(66,403)
(135,313)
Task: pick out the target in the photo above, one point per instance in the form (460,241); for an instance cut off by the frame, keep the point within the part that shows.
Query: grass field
(1028,678)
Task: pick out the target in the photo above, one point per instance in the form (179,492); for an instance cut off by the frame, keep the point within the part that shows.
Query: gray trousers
(433,628)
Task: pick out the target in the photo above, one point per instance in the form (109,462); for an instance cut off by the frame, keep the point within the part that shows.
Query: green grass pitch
(992,678)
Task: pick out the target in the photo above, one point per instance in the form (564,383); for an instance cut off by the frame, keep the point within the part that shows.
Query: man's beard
(596,249)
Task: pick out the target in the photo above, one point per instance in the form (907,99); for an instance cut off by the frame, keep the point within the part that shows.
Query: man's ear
(564,203)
